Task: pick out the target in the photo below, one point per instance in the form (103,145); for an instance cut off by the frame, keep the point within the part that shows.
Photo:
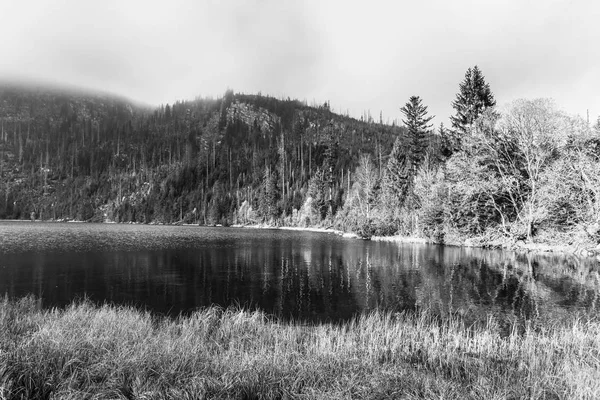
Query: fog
(356,56)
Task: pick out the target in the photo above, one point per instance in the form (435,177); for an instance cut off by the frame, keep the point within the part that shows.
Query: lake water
(305,276)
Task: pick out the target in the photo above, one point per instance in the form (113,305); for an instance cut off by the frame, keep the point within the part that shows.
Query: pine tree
(397,178)
(472,100)
(318,190)
(419,128)
(269,195)
(446,141)
(330,154)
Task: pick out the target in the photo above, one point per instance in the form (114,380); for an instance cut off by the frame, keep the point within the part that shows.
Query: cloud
(360,56)
(154,50)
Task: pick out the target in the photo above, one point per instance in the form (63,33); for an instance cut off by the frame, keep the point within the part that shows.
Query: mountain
(68,154)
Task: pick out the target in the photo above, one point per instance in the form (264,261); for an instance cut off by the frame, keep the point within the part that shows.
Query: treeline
(522,172)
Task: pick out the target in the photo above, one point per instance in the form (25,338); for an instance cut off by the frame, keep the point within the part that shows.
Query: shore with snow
(301,229)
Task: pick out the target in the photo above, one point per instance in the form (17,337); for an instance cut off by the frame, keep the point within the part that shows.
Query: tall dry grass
(97,352)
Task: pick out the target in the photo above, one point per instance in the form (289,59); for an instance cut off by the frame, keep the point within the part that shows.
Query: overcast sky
(358,55)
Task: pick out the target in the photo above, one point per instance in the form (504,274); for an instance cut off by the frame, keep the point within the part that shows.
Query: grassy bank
(87,351)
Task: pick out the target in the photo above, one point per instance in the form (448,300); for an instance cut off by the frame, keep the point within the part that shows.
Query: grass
(99,352)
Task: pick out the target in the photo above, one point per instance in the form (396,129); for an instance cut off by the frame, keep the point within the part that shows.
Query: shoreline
(580,250)
(330,231)
(519,246)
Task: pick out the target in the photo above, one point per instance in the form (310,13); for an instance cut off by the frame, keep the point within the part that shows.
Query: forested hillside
(235,159)
(525,171)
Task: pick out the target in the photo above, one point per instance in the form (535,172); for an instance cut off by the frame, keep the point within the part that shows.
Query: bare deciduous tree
(365,187)
(519,144)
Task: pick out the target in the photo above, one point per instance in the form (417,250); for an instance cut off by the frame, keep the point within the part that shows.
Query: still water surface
(307,276)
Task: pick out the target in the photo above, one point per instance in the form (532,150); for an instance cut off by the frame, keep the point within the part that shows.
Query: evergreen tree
(396,180)
(318,190)
(330,153)
(330,161)
(472,100)
(446,145)
(269,196)
(417,122)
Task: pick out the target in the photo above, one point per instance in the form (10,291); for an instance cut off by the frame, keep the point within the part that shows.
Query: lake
(292,275)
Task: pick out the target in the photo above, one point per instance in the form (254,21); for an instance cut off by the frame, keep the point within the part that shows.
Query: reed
(90,351)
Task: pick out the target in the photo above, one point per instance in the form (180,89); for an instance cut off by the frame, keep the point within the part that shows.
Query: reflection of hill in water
(307,276)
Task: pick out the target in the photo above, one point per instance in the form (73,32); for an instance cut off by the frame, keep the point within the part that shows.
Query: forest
(525,171)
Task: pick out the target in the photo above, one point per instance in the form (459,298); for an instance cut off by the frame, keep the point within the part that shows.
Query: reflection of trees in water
(578,280)
(500,283)
(382,279)
(315,279)
(560,284)
(528,288)
(308,283)
(469,282)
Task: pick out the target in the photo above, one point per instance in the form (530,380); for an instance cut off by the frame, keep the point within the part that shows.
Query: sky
(360,56)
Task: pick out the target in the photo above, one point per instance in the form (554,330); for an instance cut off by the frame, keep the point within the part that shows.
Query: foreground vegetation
(88,351)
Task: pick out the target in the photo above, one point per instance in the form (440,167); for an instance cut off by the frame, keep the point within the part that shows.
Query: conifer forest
(499,173)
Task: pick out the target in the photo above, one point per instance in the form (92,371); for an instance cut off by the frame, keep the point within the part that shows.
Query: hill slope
(236,159)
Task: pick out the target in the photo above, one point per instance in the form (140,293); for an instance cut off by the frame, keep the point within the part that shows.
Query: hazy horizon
(356,57)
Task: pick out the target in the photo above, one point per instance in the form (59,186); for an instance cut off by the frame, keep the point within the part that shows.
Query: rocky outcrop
(251,115)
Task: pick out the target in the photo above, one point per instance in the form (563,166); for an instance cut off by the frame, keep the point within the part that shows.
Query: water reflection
(293,275)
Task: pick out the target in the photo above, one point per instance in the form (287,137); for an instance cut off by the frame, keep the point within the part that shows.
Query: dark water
(289,274)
